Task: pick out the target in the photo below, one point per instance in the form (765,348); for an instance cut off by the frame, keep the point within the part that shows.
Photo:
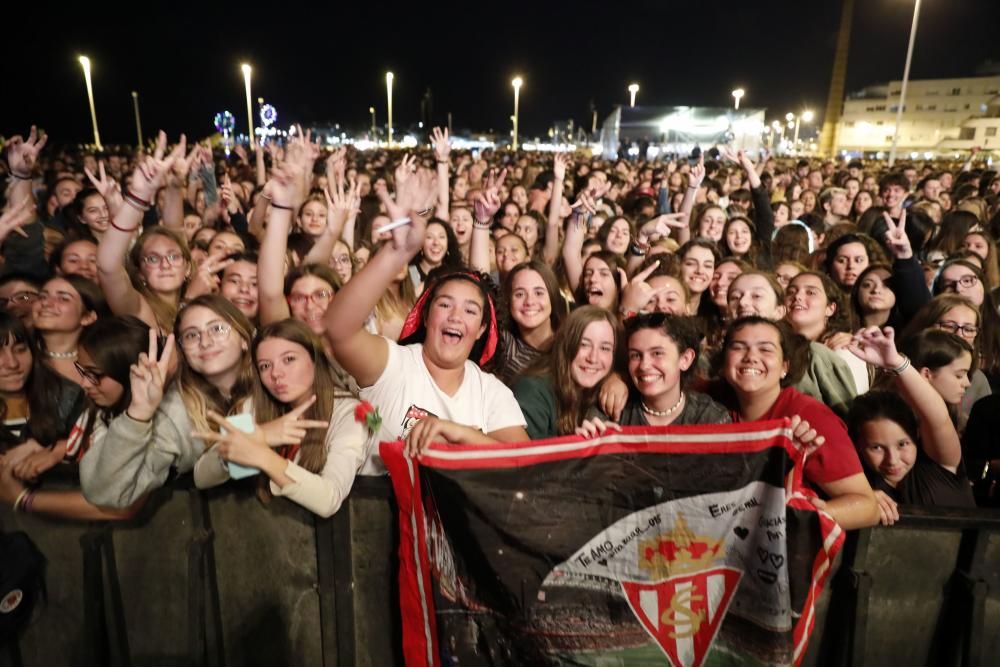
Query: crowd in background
(277,312)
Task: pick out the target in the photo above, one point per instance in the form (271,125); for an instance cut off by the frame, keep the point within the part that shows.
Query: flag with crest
(683,546)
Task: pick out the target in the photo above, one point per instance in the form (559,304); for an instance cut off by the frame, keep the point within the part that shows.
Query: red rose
(362,410)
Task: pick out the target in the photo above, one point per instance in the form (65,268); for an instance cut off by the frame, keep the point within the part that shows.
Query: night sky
(328,64)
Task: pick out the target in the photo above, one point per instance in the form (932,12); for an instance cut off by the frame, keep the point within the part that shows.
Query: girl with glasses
(154,434)
(968,280)
(160,260)
(107,349)
(298,387)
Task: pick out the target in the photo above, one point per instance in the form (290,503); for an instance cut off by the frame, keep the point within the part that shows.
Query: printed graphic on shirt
(413,415)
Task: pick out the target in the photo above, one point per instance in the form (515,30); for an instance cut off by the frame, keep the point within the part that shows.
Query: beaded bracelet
(20,499)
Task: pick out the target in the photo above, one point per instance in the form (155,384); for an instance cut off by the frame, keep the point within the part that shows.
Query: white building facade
(940,117)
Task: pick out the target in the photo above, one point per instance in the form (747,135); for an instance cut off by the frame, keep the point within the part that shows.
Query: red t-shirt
(837,458)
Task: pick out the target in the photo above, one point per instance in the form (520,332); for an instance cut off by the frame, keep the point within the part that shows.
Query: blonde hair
(164,311)
(198,394)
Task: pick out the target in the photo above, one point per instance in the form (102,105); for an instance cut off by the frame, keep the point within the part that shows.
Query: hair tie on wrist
(283,208)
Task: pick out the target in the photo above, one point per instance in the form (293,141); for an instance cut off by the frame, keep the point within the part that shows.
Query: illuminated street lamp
(805,116)
(633,89)
(738,95)
(138,125)
(906,78)
(779,127)
(516,82)
(85,63)
(388,93)
(246,80)
(371,110)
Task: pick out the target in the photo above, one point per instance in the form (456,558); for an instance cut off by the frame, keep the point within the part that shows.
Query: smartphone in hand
(241,422)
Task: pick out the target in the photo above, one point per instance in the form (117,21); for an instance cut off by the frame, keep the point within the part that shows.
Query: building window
(956,91)
(888,138)
(920,107)
(991,132)
(967,133)
(932,107)
(849,123)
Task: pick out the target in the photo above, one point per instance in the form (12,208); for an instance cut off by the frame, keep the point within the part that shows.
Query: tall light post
(738,95)
(371,110)
(388,92)
(85,64)
(516,82)
(138,124)
(246,80)
(906,79)
(632,89)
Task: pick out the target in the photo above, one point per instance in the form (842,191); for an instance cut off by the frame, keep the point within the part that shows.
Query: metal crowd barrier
(218,578)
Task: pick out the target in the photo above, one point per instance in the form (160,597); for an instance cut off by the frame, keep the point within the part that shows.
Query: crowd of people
(280,311)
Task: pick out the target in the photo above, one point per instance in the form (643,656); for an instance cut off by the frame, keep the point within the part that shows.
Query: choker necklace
(60,355)
(662,413)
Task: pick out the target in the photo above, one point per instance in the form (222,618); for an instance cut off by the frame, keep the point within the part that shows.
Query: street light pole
(85,63)
(906,78)
(371,110)
(738,94)
(388,92)
(246,80)
(633,89)
(516,82)
(138,125)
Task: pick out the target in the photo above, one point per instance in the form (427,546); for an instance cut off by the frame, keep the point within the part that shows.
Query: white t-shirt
(406,393)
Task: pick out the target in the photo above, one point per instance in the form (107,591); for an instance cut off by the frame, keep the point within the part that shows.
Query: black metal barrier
(219,578)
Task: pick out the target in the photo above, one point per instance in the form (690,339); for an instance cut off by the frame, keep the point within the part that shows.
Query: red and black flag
(672,545)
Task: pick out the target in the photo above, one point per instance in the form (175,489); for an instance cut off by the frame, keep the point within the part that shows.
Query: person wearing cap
(430,386)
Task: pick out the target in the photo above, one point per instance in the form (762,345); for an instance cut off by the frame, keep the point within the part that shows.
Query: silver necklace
(61,355)
(662,413)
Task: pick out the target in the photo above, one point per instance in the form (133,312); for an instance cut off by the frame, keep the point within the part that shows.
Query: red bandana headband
(416,317)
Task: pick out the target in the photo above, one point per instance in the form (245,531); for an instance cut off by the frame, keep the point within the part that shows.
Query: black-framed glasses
(91,375)
(967,281)
(965,330)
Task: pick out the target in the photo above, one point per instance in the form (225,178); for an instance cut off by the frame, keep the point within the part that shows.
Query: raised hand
(404,170)
(147,377)
(336,167)
(151,170)
(416,195)
(206,279)
(660,226)
(487,201)
(108,187)
(877,347)
(181,168)
(16,217)
(230,204)
(559,162)
(23,155)
(896,238)
(290,428)
(442,148)
(241,153)
(637,294)
(697,173)
(340,205)
(285,189)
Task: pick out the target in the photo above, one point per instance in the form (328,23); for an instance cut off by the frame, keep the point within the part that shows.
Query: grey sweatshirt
(135,457)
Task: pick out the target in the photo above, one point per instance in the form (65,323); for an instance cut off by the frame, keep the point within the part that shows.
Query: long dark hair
(43,389)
